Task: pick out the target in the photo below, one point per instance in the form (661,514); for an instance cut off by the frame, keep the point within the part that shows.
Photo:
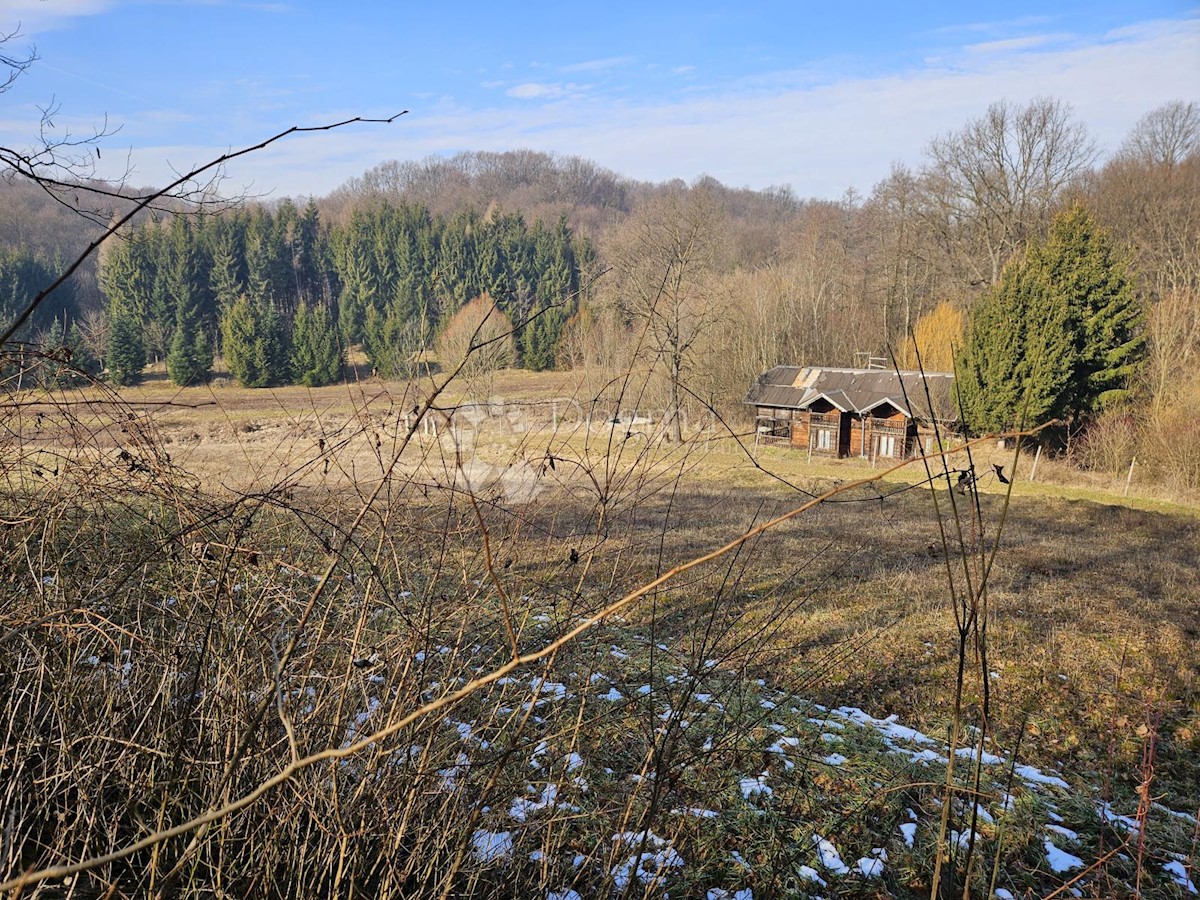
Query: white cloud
(536,90)
(820,137)
(533,90)
(683,70)
(1009,45)
(598,65)
(37,16)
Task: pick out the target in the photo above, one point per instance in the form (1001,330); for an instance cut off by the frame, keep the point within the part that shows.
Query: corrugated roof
(856,390)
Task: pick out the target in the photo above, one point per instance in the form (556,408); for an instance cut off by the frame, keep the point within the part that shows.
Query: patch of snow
(870,867)
(597,676)
(830,858)
(491,846)
(612,696)
(573,761)
(1129,823)
(755,784)
(808,873)
(886,727)
(1064,832)
(922,757)
(909,832)
(827,723)
(835,759)
(963,838)
(1036,776)
(647,867)
(1004,894)
(1179,875)
(1187,817)
(988,759)
(784,744)
(740,860)
(1060,860)
(644,690)
(522,807)
(637,838)
(831,738)
(451,775)
(697,812)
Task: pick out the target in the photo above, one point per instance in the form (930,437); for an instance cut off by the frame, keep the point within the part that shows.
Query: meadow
(415,639)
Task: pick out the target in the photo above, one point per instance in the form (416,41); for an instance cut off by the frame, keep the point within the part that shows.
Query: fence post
(1036,459)
(1129,477)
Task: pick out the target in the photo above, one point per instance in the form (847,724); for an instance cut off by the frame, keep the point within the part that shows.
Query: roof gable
(857,390)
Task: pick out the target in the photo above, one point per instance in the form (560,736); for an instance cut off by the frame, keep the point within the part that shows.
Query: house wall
(863,430)
(800,429)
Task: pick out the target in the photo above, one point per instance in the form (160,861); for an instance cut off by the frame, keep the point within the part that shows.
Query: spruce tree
(1062,327)
(189,361)
(126,355)
(316,356)
(255,343)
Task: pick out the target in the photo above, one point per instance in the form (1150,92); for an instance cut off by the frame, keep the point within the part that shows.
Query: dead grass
(175,645)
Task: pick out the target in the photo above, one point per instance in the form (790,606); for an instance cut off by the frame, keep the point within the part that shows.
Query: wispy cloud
(1009,45)
(820,137)
(993,27)
(536,90)
(37,16)
(683,70)
(598,65)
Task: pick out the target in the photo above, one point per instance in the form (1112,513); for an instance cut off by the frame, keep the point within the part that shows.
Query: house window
(885,445)
(825,439)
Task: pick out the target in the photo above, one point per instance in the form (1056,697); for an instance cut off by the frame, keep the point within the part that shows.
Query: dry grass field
(347,641)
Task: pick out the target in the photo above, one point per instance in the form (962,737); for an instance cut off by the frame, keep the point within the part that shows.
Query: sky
(822,97)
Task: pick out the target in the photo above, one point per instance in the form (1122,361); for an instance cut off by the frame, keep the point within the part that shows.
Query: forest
(708,284)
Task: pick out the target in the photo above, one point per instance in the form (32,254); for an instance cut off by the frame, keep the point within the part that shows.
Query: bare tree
(662,258)
(1165,136)
(995,183)
(1149,195)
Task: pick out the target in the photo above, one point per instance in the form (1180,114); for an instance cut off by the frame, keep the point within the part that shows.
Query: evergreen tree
(126,355)
(255,343)
(1061,327)
(190,358)
(24,273)
(317,359)
(392,342)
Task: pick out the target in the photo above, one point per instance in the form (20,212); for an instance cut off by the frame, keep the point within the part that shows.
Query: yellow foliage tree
(936,334)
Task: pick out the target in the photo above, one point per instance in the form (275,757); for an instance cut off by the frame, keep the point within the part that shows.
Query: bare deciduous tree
(995,182)
(662,258)
(1165,136)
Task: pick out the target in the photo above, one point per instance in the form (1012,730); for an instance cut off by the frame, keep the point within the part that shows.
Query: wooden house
(868,413)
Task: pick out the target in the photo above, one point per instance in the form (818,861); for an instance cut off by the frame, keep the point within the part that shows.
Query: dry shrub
(1170,441)
(1109,443)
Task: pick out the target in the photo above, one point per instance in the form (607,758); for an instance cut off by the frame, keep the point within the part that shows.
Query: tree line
(708,285)
(282,296)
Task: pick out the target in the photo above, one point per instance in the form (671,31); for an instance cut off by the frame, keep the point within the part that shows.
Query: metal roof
(856,390)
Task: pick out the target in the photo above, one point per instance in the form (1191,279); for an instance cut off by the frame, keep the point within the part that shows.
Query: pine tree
(126,356)
(1061,328)
(317,359)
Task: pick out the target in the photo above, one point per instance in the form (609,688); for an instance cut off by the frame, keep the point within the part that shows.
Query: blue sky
(820,96)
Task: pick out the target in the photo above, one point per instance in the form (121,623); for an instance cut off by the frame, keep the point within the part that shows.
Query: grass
(171,642)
